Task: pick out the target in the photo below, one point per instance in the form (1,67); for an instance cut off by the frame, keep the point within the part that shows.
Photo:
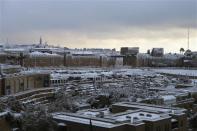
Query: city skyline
(101,24)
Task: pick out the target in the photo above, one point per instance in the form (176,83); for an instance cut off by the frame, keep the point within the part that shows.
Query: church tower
(40,41)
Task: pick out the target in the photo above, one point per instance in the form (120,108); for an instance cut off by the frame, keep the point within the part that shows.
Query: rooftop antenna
(188,38)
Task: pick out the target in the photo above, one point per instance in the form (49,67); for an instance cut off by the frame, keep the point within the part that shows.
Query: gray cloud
(22,15)
(101,19)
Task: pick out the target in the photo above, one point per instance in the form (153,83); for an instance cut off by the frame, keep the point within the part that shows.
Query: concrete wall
(70,126)
(140,127)
(160,125)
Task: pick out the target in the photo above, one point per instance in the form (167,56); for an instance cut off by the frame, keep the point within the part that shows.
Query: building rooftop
(139,115)
(101,122)
(107,119)
(149,107)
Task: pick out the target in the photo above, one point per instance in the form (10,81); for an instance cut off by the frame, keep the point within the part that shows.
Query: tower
(188,33)
(40,41)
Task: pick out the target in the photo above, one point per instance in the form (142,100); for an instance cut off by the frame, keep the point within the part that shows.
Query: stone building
(14,80)
(39,59)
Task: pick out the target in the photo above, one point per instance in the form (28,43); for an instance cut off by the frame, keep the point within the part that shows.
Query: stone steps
(35,97)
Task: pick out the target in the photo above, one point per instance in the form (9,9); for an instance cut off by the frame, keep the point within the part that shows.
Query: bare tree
(62,103)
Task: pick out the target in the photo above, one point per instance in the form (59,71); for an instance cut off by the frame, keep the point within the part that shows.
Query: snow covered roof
(183,72)
(168,97)
(6,66)
(82,53)
(2,114)
(82,75)
(157,108)
(40,54)
(111,120)
(93,73)
(84,120)
(134,72)
(15,50)
(141,116)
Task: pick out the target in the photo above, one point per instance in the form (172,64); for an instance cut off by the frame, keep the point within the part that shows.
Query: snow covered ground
(185,72)
(85,73)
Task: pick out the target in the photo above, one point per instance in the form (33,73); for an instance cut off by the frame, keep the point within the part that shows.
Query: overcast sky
(100,23)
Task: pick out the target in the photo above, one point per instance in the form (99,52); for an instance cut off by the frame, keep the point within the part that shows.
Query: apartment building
(129,55)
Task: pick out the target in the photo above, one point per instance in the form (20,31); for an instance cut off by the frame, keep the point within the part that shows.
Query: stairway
(35,96)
